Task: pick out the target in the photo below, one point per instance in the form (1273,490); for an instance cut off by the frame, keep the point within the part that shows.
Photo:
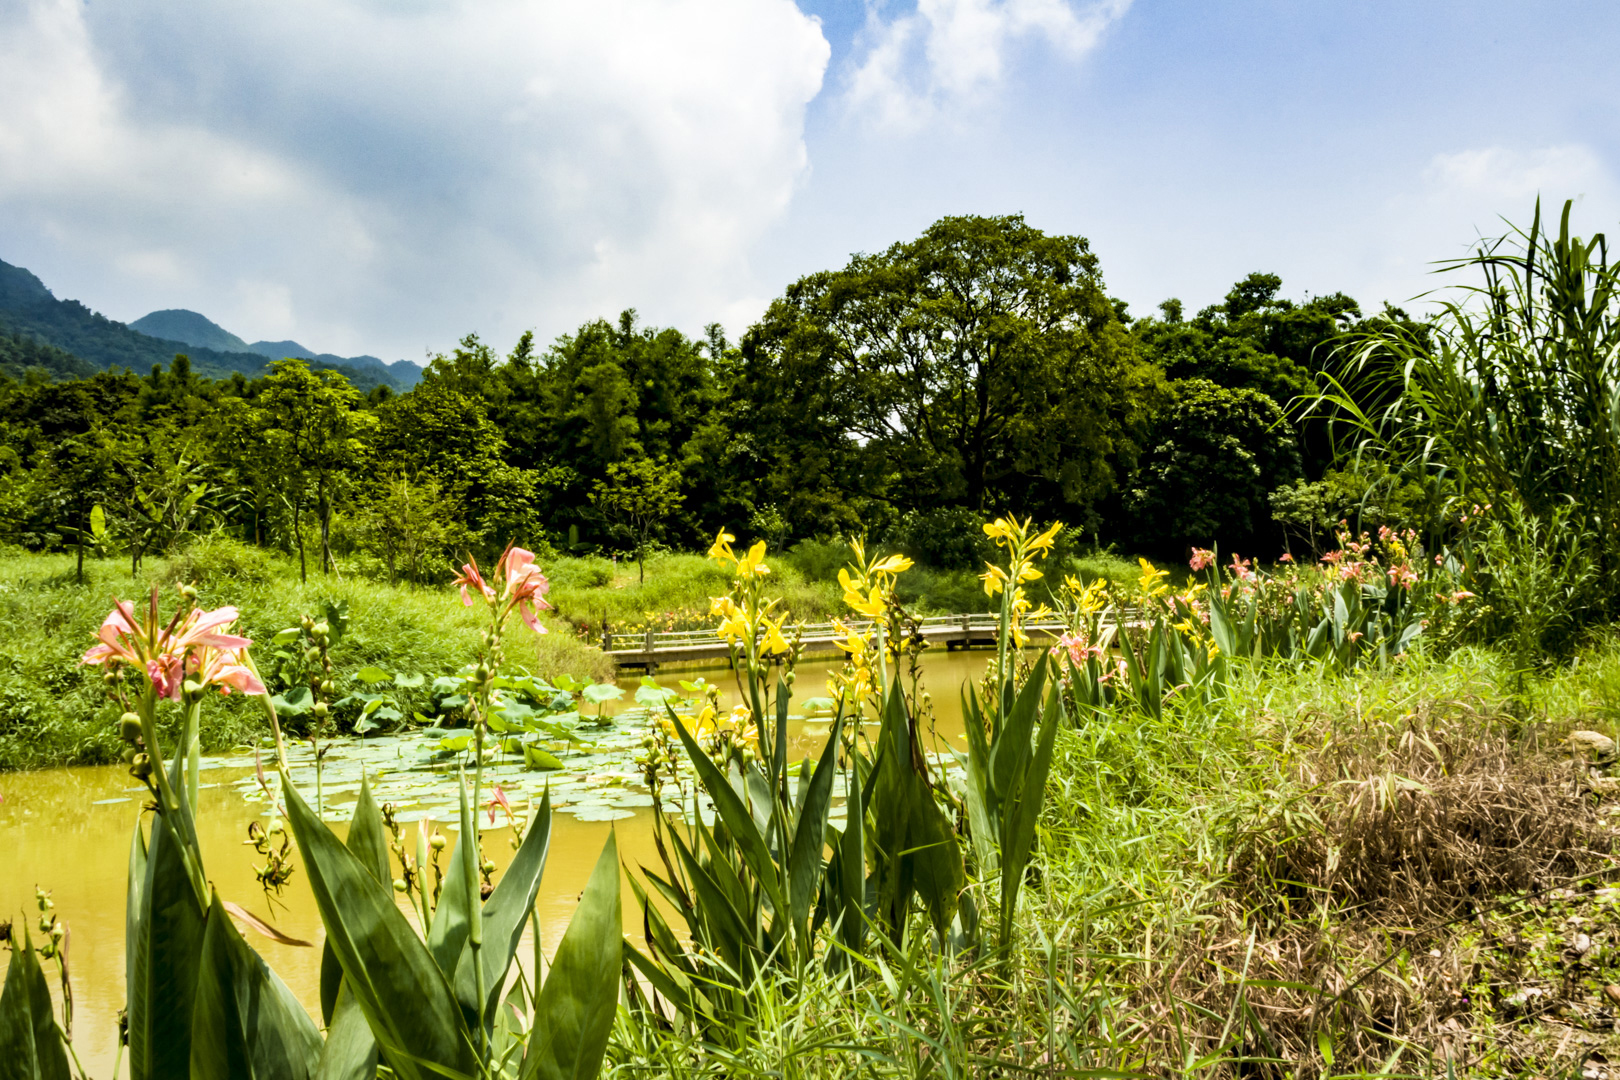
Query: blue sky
(385,175)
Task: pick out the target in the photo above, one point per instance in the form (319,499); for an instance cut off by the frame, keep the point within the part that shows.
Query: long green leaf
(504,915)
(167,949)
(350,1052)
(574,1014)
(809,837)
(1024,813)
(30,1044)
(738,821)
(405,998)
(246,1024)
(370,845)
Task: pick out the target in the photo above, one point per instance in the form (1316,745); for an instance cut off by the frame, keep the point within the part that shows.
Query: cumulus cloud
(946,53)
(384,176)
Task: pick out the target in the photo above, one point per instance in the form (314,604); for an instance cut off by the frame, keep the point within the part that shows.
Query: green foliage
(30,1042)
(1513,394)
(1212,459)
(639,494)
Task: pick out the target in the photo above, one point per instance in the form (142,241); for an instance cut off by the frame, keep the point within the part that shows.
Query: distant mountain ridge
(81,338)
(178,324)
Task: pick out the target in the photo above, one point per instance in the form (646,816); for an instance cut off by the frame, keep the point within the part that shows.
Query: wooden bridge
(650,649)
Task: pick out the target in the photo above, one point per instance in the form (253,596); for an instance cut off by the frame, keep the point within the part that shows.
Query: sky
(384,176)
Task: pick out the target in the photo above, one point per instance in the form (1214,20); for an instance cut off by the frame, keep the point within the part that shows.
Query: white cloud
(386,176)
(948,52)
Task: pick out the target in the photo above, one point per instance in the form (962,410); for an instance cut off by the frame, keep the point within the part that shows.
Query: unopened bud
(488,867)
(44,924)
(129,727)
(437,843)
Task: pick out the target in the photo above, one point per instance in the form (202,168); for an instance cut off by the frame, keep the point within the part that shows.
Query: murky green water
(68,831)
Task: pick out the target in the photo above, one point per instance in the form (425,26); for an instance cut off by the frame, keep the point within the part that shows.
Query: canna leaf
(30,1044)
(350,1052)
(809,836)
(504,914)
(574,1013)
(1024,812)
(166,953)
(370,846)
(403,994)
(246,1023)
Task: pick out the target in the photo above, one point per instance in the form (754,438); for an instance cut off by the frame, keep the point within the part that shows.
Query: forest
(979,369)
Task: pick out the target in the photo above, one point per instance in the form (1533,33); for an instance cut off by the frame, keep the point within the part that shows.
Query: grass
(1377,873)
(53,710)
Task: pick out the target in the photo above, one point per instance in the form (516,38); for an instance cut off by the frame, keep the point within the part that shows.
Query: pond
(68,831)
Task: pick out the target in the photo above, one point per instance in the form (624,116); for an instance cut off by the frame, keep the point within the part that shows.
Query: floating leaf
(536,758)
(409,682)
(371,674)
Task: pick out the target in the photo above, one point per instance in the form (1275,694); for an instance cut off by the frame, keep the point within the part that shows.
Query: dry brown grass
(1346,908)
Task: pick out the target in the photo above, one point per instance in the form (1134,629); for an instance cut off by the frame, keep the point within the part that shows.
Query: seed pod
(399,885)
(312,655)
(129,727)
(488,867)
(320,630)
(320,710)
(437,842)
(141,767)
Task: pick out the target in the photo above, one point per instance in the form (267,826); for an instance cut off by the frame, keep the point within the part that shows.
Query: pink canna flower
(471,576)
(1201,558)
(224,668)
(167,676)
(194,640)
(526,586)
(206,628)
(117,634)
(1286,556)
(498,799)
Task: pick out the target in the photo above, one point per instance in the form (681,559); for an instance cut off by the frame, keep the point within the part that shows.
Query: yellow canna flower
(774,641)
(994,578)
(1044,541)
(721,551)
(753,563)
(998,530)
(894,564)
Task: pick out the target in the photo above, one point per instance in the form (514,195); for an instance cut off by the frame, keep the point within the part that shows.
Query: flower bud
(437,843)
(129,727)
(488,867)
(45,924)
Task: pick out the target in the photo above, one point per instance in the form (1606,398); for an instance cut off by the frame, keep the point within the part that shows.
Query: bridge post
(607,641)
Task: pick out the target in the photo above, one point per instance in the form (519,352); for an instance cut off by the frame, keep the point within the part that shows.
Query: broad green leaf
(452,917)
(30,1045)
(536,758)
(98,522)
(287,636)
(246,1023)
(600,693)
(650,693)
(409,682)
(1024,812)
(163,992)
(459,742)
(574,1013)
(406,1001)
(370,674)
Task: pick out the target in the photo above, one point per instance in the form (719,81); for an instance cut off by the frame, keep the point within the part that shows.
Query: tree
(1214,457)
(640,494)
(982,362)
(317,419)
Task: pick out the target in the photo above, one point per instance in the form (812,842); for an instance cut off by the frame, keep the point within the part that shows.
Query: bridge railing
(932,625)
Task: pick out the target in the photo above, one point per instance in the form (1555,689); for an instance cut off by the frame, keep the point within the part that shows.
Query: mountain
(69,340)
(402,373)
(177,324)
(29,310)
